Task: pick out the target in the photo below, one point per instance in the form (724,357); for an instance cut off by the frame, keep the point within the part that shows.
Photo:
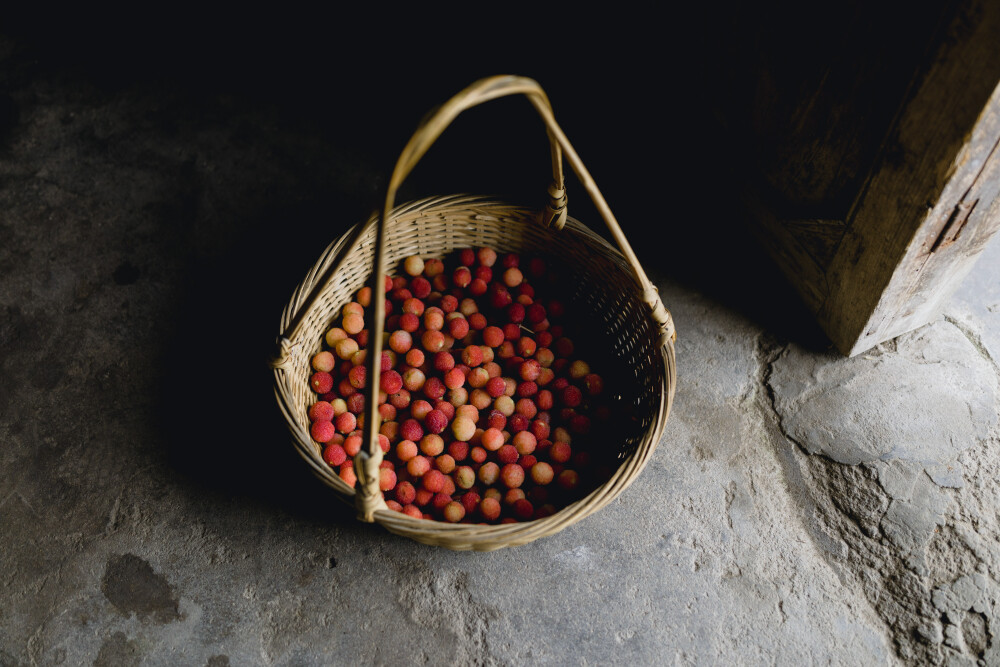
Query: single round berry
(507,454)
(445,463)
(434,388)
(489,473)
(465,477)
(405,493)
(542,473)
(411,430)
(458,328)
(415,357)
(406,450)
(461,277)
(560,452)
(472,356)
(432,444)
(323,361)
(321,411)
(512,475)
(433,267)
(492,439)
(454,512)
(571,396)
(347,473)
(433,481)
(489,508)
(486,256)
(568,480)
(346,422)
(390,382)
(493,336)
(525,442)
(322,431)
(463,428)
(418,466)
(458,450)
(346,348)
(413,265)
(386,479)
(436,421)
(321,382)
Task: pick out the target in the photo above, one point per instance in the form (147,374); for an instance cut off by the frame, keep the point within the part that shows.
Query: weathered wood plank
(947,245)
(884,279)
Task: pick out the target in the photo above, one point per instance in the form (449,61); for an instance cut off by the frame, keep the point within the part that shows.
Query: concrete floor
(801,508)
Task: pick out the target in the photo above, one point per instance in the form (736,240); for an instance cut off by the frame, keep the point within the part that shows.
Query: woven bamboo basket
(611,286)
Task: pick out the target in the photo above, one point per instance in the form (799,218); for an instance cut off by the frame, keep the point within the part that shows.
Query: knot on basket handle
(555,212)
(368,496)
(287,351)
(661,315)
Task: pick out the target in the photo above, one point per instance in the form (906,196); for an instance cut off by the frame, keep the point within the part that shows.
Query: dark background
(291,123)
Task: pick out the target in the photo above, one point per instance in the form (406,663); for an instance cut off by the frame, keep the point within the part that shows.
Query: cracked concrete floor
(802,508)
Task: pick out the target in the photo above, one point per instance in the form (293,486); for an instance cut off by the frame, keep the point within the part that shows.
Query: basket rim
(479,536)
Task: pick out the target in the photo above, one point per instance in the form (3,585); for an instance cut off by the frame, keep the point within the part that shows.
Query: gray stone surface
(802,508)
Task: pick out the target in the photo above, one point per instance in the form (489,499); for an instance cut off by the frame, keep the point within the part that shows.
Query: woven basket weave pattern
(608,283)
(433,228)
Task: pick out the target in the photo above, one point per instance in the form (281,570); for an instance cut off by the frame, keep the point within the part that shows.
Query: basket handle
(366,464)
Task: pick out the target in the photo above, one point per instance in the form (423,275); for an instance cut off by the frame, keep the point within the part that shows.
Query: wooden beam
(930,205)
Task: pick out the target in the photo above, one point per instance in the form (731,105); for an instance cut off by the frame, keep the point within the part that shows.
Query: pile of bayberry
(486,408)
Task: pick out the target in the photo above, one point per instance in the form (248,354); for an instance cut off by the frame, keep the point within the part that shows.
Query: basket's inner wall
(599,287)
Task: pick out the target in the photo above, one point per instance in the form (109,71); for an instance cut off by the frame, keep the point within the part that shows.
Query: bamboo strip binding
(614,282)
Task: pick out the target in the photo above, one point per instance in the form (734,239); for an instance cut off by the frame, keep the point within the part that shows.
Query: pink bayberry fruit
(463,428)
(321,382)
(507,454)
(323,361)
(436,421)
(464,477)
(390,382)
(489,473)
(406,450)
(492,439)
(432,445)
(523,509)
(434,388)
(525,442)
(418,466)
(542,473)
(560,452)
(454,512)
(512,475)
(321,411)
(322,431)
(413,265)
(489,508)
(568,479)
(493,336)
(433,481)
(487,256)
(346,422)
(405,493)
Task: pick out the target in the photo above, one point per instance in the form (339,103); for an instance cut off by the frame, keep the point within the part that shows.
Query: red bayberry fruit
(434,388)
(346,422)
(321,382)
(571,396)
(512,475)
(322,431)
(390,382)
(321,411)
(433,481)
(435,421)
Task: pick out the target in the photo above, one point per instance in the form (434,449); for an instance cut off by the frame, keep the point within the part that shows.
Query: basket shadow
(226,437)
